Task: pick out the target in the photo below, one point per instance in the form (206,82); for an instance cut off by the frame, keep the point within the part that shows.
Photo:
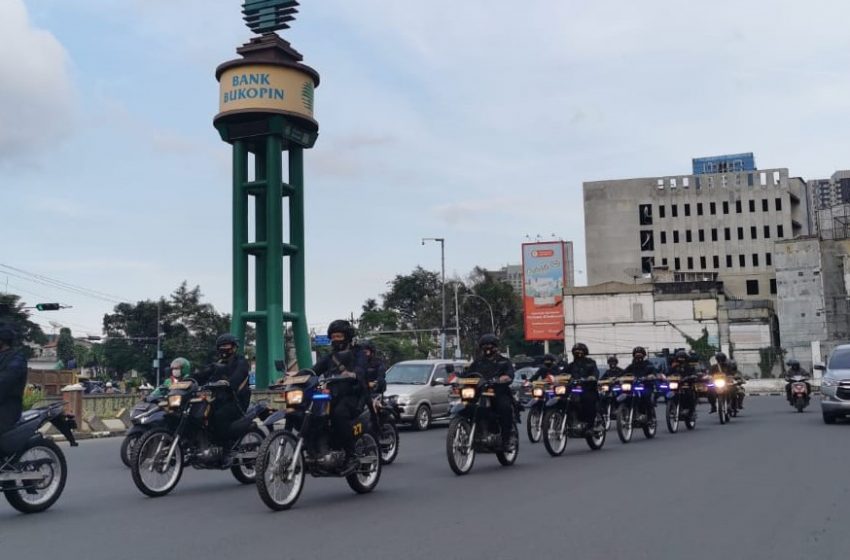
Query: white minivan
(419,388)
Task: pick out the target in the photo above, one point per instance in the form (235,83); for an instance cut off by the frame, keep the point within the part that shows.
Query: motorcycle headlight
(538,393)
(175,400)
(467,393)
(626,386)
(294,397)
(603,388)
(719,383)
(561,390)
(674,385)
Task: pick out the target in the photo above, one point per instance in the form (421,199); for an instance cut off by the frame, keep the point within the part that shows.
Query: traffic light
(48,306)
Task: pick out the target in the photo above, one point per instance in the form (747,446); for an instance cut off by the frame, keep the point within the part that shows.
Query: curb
(89,435)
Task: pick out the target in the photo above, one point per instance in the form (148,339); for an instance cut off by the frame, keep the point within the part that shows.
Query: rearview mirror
(439,381)
(280,365)
(819,367)
(524,377)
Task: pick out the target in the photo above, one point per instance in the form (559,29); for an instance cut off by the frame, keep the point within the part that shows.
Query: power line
(61,285)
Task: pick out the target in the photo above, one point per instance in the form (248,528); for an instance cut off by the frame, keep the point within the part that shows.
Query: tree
(410,294)
(65,347)
(13,313)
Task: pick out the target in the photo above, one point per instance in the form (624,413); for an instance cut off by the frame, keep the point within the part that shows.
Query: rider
(722,367)
(739,383)
(375,369)
(233,367)
(180,368)
(347,402)
(548,368)
(794,369)
(583,367)
(614,370)
(13,379)
(493,366)
(682,367)
(641,368)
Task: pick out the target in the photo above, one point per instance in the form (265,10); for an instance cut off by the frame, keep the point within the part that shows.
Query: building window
(738,209)
(753,232)
(664,261)
(764,205)
(674,210)
(752,206)
(768,259)
(677,263)
(690,263)
(712,208)
(728,261)
(663,237)
(727,234)
(767,232)
(702,264)
(646,241)
(773,285)
(725,206)
(742,261)
(752,287)
(646,264)
(699,208)
(714,234)
(701,236)
(780,231)
(661,213)
(676,236)
(779,205)
(688,237)
(687,209)
(755,259)
(716,261)
(749,179)
(645,211)
(740,233)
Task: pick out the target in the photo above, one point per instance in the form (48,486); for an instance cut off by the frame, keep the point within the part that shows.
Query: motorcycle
(388,413)
(145,416)
(562,417)
(541,391)
(305,445)
(474,427)
(607,399)
(633,410)
(676,386)
(799,392)
(186,439)
(719,383)
(33,469)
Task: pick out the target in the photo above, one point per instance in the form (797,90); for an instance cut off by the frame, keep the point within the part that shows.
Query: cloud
(36,91)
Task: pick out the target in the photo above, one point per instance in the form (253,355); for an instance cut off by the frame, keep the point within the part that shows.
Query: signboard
(321,340)
(266,88)
(543,273)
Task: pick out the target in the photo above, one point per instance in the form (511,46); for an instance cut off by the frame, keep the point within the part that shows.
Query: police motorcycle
(388,413)
(799,391)
(562,417)
(305,445)
(144,416)
(633,410)
(33,469)
(676,386)
(474,427)
(719,383)
(186,439)
(541,391)
(607,400)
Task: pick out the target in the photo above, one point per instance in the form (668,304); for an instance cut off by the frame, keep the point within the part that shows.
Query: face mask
(224,354)
(339,345)
(548,364)
(489,351)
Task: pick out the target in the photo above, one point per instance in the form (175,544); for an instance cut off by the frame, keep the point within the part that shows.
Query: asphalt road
(772,484)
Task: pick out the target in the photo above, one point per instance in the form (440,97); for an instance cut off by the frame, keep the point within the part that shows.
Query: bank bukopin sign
(266,88)
(543,273)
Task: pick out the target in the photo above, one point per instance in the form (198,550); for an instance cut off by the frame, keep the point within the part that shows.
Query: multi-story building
(706,226)
(828,193)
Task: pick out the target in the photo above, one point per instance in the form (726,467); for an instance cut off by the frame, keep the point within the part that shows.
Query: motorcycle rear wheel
(596,438)
(246,473)
(800,404)
(389,443)
(48,491)
(459,449)
(554,437)
(507,459)
(127,446)
(364,481)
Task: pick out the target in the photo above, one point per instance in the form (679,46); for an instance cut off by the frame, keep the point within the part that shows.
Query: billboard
(544,270)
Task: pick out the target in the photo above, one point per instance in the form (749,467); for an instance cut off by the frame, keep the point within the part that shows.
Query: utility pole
(442,243)
(158,342)
(458,353)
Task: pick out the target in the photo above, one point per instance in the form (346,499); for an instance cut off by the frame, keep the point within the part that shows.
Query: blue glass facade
(724,164)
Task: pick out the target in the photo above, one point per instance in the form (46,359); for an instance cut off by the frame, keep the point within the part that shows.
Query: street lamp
(490,307)
(442,243)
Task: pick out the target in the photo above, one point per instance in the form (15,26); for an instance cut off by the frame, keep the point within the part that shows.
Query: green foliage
(767,359)
(65,346)
(395,349)
(32,397)
(701,347)
(12,313)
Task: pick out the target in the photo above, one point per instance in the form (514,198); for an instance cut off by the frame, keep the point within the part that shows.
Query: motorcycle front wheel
(280,472)
(651,426)
(721,411)
(673,415)
(45,458)
(625,423)
(151,474)
(534,424)
(459,448)
(555,432)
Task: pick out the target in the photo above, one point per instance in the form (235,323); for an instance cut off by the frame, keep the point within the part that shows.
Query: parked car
(521,387)
(835,386)
(419,388)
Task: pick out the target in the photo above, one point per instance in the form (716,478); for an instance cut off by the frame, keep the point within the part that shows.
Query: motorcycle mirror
(524,377)
(280,365)
(819,367)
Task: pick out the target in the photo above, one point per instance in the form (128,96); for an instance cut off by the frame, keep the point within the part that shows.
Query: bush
(32,397)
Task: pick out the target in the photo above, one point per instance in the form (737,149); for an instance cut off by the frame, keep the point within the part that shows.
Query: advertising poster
(543,273)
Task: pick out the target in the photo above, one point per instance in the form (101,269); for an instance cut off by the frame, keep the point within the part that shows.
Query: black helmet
(794,364)
(486,339)
(8,334)
(720,357)
(367,344)
(226,338)
(639,350)
(733,365)
(613,360)
(681,356)
(341,326)
(549,358)
(581,347)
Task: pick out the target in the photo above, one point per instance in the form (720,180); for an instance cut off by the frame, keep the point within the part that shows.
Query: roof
(611,288)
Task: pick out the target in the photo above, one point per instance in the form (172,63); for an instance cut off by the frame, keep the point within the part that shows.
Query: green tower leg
(298,300)
(274,256)
(261,325)
(240,237)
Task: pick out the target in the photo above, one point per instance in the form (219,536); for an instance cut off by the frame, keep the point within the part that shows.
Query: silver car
(419,389)
(835,386)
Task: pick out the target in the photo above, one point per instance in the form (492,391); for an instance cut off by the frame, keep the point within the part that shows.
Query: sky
(474,121)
